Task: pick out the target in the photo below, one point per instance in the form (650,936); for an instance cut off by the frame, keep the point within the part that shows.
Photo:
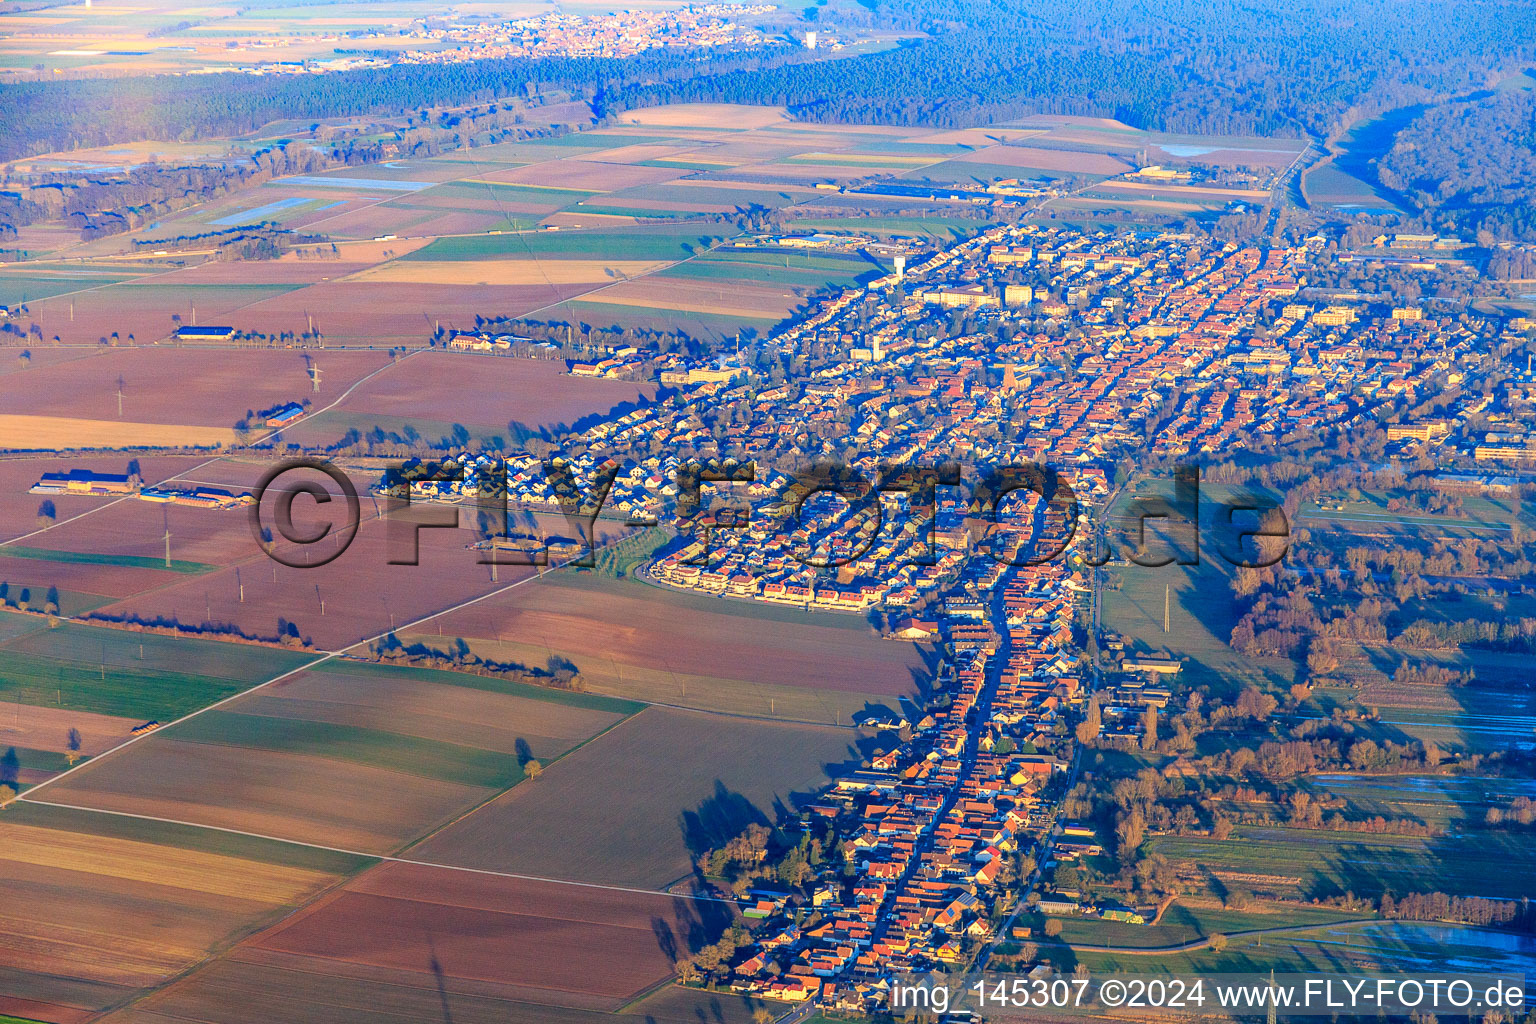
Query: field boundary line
(322,658)
(385,858)
(414,843)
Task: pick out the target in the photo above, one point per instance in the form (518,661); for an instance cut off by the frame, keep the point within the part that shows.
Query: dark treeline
(1182,65)
(1439,906)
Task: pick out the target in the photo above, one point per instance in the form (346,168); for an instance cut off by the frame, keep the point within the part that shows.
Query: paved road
(797,1013)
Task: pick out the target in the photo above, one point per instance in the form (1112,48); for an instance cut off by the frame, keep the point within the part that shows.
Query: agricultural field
(1350,947)
(1190,919)
(490,392)
(98,908)
(1489,715)
(130,675)
(543,942)
(356,597)
(252,988)
(637,805)
(635,640)
(351,756)
(1448,803)
(195,388)
(1289,862)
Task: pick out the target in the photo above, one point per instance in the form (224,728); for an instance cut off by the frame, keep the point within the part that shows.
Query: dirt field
(386,313)
(197,394)
(592,620)
(487,391)
(635,806)
(45,728)
(257,987)
(287,796)
(86,919)
(441,706)
(59,433)
(724,298)
(545,942)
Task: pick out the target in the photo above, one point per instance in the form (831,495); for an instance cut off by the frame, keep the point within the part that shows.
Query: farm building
(85,481)
(194,333)
(1148,663)
(197,497)
(285,414)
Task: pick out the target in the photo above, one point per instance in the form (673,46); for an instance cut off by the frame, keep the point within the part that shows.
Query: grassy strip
(93,558)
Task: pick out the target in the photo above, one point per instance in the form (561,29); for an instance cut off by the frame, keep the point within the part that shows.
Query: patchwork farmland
(408,752)
(585,225)
(655,793)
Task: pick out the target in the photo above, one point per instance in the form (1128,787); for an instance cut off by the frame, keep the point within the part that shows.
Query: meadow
(1189,919)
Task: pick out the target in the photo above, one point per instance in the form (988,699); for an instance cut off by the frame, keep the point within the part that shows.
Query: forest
(1470,167)
(1180,65)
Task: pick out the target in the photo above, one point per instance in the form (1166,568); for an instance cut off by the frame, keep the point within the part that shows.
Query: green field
(28,759)
(716,195)
(1182,923)
(1202,609)
(94,558)
(71,602)
(617,209)
(135,675)
(505,193)
(1444,802)
(17,289)
(1202,612)
(1328,185)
